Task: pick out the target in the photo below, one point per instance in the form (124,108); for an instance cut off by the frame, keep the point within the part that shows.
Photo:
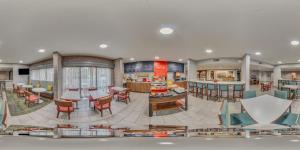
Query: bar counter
(219,82)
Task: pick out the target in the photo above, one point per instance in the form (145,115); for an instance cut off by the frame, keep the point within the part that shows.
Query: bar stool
(224,88)
(210,89)
(238,88)
(191,87)
(200,89)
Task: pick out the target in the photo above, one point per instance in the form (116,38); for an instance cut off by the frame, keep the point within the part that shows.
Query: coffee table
(39,91)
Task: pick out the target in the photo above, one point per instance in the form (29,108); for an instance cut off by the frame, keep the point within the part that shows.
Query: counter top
(219,82)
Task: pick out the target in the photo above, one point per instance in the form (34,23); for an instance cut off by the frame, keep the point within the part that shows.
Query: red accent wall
(161,68)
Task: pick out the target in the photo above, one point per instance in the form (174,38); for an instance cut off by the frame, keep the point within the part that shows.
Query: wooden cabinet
(143,87)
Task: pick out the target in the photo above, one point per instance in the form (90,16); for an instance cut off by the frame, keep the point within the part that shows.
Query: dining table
(39,91)
(27,86)
(73,96)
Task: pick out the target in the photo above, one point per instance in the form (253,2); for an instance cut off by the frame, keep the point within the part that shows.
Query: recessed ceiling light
(156,57)
(180,59)
(41,50)
(295,140)
(132,59)
(294,43)
(208,51)
(103,46)
(21,61)
(298,60)
(0,60)
(166,30)
(257,53)
(165,143)
(279,62)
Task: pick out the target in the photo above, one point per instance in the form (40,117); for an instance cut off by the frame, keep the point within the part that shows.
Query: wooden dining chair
(124,96)
(103,104)
(64,107)
(30,98)
(20,91)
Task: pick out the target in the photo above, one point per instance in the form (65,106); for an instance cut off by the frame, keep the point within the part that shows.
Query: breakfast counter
(144,87)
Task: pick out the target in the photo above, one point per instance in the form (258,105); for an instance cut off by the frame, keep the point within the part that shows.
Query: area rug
(17,106)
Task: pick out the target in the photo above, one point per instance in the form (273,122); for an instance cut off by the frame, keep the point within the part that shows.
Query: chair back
(238,87)
(224,87)
(73,89)
(92,89)
(105,100)
(292,83)
(27,93)
(281,94)
(191,84)
(249,94)
(211,86)
(63,103)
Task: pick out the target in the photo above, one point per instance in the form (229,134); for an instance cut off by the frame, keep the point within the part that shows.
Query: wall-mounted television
(24,71)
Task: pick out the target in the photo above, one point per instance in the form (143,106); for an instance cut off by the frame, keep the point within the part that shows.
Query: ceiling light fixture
(165,143)
(279,62)
(298,60)
(166,31)
(131,59)
(294,43)
(0,60)
(156,57)
(21,61)
(103,46)
(41,50)
(258,53)
(180,59)
(208,51)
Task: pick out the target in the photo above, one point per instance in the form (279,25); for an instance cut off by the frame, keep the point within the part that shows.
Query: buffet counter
(143,87)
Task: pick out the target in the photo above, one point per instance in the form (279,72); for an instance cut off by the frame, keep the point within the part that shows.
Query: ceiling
(230,28)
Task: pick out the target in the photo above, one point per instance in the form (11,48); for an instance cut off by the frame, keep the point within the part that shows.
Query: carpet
(18,107)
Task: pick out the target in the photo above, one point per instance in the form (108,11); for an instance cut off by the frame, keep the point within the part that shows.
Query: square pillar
(58,75)
(191,70)
(245,71)
(276,75)
(118,72)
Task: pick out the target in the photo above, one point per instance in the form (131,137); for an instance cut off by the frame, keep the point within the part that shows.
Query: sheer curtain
(103,78)
(42,75)
(71,78)
(88,79)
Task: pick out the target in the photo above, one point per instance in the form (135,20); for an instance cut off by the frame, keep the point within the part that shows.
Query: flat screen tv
(24,71)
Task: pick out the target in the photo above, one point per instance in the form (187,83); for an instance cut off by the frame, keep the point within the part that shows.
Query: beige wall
(4,75)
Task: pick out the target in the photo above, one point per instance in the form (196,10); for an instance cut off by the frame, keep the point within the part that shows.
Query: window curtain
(71,78)
(103,78)
(88,80)
(42,75)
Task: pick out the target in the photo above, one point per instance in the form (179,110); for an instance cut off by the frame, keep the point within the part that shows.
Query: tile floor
(201,114)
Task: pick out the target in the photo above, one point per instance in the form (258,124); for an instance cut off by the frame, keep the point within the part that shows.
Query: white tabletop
(27,86)
(98,94)
(220,82)
(71,95)
(20,84)
(119,89)
(266,108)
(39,90)
(292,87)
(265,127)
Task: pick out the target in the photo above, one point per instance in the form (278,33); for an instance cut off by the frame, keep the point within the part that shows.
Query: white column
(245,71)
(118,72)
(276,75)
(58,75)
(191,70)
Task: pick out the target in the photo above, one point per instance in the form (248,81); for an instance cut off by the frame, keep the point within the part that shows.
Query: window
(42,75)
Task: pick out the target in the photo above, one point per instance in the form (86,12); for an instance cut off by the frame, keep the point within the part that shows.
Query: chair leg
(69,115)
(101,113)
(57,114)
(110,111)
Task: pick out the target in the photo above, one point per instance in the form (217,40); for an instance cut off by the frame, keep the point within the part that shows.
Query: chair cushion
(244,118)
(103,106)
(50,88)
(65,109)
